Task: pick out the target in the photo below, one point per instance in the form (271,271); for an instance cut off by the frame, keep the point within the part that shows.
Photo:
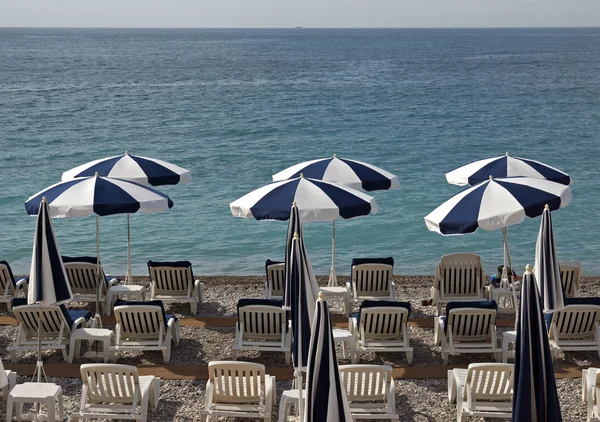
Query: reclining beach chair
(577,326)
(381,326)
(569,275)
(8,379)
(262,325)
(9,287)
(468,327)
(458,276)
(81,272)
(174,282)
(275,282)
(112,391)
(371,279)
(483,390)
(239,389)
(145,326)
(57,325)
(590,393)
(370,390)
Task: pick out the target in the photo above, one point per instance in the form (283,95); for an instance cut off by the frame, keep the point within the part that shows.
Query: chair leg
(234,354)
(194,307)
(409,358)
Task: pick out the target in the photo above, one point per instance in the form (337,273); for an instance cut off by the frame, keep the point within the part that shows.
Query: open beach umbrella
(48,283)
(142,170)
(326,399)
(98,196)
(547,270)
(504,166)
(535,397)
(355,174)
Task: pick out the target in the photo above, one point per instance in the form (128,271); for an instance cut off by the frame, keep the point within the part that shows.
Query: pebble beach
(416,399)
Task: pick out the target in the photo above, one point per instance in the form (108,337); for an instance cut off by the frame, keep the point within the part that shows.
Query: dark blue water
(236,106)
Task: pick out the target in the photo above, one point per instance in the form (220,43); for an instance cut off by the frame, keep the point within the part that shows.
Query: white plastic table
(33,392)
(340,293)
(91,335)
(343,336)
(289,397)
(507,338)
(504,297)
(123,290)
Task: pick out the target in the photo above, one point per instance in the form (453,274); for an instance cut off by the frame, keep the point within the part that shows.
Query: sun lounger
(81,272)
(570,272)
(9,287)
(577,326)
(275,281)
(371,279)
(174,282)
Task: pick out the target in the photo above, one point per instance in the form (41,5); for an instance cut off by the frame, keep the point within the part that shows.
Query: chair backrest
(262,318)
(383,321)
(471,321)
(140,321)
(275,277)
(366,382)
(171,278)
(489,381)
(569,275)
(7,280)
(576,320)
(111,383)
(82,277)
(460,274)
(53,321)
(237,382)
(371,277)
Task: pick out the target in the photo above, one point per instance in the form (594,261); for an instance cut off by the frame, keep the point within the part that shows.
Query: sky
(305,13)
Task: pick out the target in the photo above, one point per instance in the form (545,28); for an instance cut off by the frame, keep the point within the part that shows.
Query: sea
(238,105)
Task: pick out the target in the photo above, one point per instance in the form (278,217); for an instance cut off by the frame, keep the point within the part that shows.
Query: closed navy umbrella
(535,398)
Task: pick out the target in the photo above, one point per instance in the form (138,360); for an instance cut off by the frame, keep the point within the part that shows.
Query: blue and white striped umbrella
(144,170)
(326,399)
(547,270)
(316,201)
(535,397)
(355,174)
(497,203)
(48,282)
(504,166)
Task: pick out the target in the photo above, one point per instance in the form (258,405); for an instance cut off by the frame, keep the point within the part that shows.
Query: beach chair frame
(9,287)
(275,282)
(84,283)
(371,281)
(176,284)
(576,328)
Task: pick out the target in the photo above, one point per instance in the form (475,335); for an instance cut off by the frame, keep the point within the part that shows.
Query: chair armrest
(78,323)
(21,282)
(349,288)
(270,391)
(113,282)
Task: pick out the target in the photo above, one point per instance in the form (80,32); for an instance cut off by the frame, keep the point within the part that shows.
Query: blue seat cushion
(166,317)
(481,304)
(380,303)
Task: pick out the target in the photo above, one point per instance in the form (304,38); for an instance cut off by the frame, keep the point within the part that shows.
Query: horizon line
(300,27)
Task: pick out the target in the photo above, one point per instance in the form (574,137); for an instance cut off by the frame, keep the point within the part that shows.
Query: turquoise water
(236,106)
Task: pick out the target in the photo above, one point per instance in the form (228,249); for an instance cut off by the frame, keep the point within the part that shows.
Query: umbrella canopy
(535,397)
(144,170)
(48,282)
(326,400)
(504,166)
(547,270)
(355,174)
(316,201)
(497,203)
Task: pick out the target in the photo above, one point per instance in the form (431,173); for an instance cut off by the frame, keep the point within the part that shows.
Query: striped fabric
(535,395)
(98,196)
(326,399)
(504,166)
(497,203)
(316,201)
(144,170)
(547,270)
(355,174)
(48,282)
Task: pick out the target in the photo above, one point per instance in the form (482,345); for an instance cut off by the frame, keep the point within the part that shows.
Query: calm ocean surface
(236,106)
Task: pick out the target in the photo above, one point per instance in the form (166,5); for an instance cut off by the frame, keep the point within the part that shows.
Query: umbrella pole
(97,320)
(128,276)
(298,374)
(505,271)
(332,277)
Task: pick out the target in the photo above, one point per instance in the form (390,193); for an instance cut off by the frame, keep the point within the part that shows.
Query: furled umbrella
(326,399)
(48,283)
(134,168)
(547,270)
(352,173)
(98,196)
(535,397)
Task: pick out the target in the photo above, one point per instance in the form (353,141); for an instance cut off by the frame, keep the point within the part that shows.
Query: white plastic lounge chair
(9,287)
(112,391)
(262,325)
(275,282)
(8,379)
(81,272)
(569,275)
(483,390)
(468,327)
(238,389)
(370,390)
(174,282)
(381,326)
(458,276)
(577,326)
(590,393)
(57,325)
(371,279)
(144,326)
